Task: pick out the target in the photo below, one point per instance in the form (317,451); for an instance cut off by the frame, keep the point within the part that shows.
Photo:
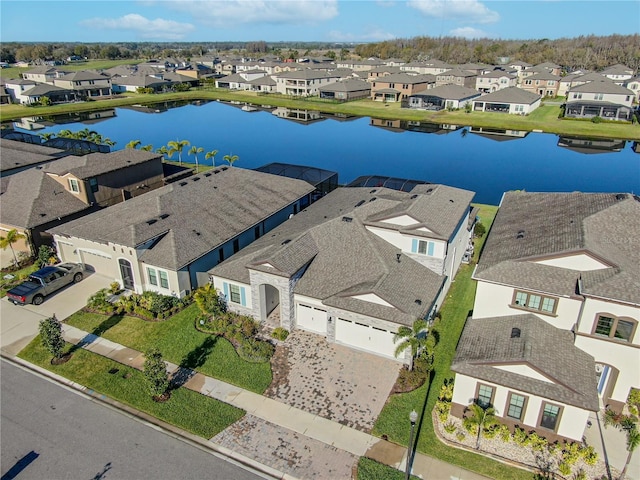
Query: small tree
(51,335)
(155,371)
(45,254)
(414,338)
(481,417)
(211,155)
(12,237)
(231,159)
(633,440)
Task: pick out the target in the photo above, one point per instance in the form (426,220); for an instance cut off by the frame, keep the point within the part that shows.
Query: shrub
(98,302)
(469,426)
(589,455)
(505,433)
(446,391)
(143,312)
(537,442)
(580,475)
(460,435)
(633,401)
(280,333)
(114,288)
(442,410)
(564,468)
(479,230)
(255,351)
(596,119)
(571,453)
(45,255)
(520,436)
(51,335)
(491,432)
(209,300)
(450,427)
(157,303)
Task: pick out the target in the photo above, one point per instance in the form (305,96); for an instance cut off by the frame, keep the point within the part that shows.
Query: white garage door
(311,318)
(364,337)
(99,263)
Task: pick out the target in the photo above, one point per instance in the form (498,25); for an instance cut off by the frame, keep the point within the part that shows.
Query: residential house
(395,87)
(50,194)
(43,74)
(603,99)
(166,239)
(382,71)
(618,73)
(263,84)
(16,156)
(428,67)
(512,100)
(445,96)
(241,80)
(16,89)
(354,266)
(529,371)
(133,82)
(634,85)
(570,259)
(54,94)
(519,66)
(456,76)
(544,84)
(360,65)
(546,67)
(303,82)
(85,84)
(350,89)
(495,80)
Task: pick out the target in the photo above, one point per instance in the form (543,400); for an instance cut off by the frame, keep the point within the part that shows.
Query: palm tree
(47,136)
(231,159)
(482,417)
(108,141)
(212,154)
(147,148)
(163,150)
(633,440)
(178,146)
(195,151)
(414,338)
(133,144)
(12,237)
(66,134)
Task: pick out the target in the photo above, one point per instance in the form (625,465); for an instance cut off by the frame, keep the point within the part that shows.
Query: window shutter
(414,245)
(225,287)
(243,298)
(430,249)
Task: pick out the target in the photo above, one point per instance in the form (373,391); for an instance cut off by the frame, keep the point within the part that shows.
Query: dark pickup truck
(44,282)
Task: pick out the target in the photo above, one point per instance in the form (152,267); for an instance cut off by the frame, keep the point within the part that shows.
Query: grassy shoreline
(544,119)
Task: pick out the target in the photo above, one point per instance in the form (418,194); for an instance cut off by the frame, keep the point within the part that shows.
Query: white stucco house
(602,98)
(165,240)
(354,266)
(571,260)
(512,100)
(303,83)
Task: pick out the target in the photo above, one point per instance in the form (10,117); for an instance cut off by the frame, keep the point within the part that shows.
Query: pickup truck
(44,282)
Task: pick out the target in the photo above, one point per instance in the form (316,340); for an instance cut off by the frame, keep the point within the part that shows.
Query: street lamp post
(413,418)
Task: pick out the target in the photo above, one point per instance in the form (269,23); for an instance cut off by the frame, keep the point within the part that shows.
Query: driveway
(19,324)
(332,381)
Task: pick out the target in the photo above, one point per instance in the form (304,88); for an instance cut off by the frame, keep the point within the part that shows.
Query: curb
(227,454)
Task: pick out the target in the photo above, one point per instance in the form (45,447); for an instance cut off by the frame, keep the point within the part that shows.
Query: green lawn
(371,470)
(191,411)
(393,420)
(180,343)
(20,275)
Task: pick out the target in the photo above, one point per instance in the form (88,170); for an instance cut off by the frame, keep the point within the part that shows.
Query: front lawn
(180,343)
(393,420)
(18,277)
(186,409)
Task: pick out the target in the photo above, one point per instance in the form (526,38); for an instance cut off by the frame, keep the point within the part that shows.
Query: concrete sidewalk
(304,423)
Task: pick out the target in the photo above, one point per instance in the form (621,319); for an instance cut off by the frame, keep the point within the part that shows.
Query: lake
(488,163)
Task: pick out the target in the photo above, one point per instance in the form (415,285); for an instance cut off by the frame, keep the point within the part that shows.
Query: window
(426,248)
(93,183)
(236,246)
(153,277)
(598,96)
(528,82)
(551,83)
(164,279)
(532,301)
(484,397)
(614,327)
(234,291)
(74,185)
(515,409)
(550,416)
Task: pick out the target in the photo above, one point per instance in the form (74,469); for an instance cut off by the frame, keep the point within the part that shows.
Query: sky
(339,21)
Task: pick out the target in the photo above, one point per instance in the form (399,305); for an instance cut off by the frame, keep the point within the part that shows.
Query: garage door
(364,337)
(98,262)
(311,318)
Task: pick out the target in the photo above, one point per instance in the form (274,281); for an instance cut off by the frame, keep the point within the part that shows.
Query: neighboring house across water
(634,85)
(43,74)
(572,260)
(303,82)
(618,73)
(511,100)
(603,99)
(395,87)
(85,84)
(444,96)
(55,94)
(167,239)
(16,89)
(354,266)
(495,80)
(349,89)
(544,84)
(457,76)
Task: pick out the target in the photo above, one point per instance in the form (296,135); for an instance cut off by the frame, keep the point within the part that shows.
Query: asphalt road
(49,432)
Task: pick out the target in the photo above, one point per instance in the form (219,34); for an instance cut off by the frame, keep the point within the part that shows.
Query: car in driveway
(44,282)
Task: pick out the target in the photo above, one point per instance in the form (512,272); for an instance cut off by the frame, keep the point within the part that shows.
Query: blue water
(355,147)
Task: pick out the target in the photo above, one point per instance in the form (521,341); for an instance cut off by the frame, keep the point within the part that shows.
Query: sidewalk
(307,424)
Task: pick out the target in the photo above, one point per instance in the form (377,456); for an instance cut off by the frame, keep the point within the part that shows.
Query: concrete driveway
(19,324)
(332,381)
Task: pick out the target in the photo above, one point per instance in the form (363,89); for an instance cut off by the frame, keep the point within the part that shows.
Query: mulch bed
(63,359)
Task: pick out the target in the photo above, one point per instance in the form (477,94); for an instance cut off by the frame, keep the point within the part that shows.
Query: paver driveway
(332,381)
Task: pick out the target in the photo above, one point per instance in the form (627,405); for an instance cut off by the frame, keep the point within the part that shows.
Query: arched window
(611,326)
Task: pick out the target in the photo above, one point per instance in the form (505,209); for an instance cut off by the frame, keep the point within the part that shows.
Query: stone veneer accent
(432,263)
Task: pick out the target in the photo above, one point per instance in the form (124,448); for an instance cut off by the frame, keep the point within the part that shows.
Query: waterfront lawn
(180,343)
(186,409)
(393,420)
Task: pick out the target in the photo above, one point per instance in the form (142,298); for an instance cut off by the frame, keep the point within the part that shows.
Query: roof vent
(398,255)
(414,196)
(520,234)
(182,184)
(164,215)
(284,242)
(373,191)
(418,301)
(224,168)
(359,203)
(195,179)
(151,221)
(372,199)
(515,332)
(451,201)
(196,232)
(620,196)
(347,219)
(207,174)
(429,190)
(215,172)
(43,214)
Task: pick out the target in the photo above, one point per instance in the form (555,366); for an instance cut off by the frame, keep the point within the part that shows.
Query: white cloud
(370,35)
(144,27)
(468,32)
(229,12)
(463,10)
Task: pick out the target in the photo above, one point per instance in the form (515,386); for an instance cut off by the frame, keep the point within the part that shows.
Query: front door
(127,274)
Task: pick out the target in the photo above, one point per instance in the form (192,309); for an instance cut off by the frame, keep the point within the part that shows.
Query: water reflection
(497,134)
(298,115)
(413,126)
(590,145)
(85,118)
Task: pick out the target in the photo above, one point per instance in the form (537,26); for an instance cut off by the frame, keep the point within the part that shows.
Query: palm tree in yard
(147,148)
(195,151)
(133,144)
(12,237)
(633,440)
(47,136)
(231,159)
(482,417)
(414,338)
(212,154)
(164,151)
(178,146)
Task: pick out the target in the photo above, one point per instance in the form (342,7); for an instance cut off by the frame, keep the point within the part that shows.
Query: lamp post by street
(413,418)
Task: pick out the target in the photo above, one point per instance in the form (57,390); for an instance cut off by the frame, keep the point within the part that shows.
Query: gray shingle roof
(349,85)
(529,226)
(95,164)
(510,95)
(486,343)
(44,89)
(203,212)
(601,86)
(344,258)
(15,154)
(406,78)
(450,92)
